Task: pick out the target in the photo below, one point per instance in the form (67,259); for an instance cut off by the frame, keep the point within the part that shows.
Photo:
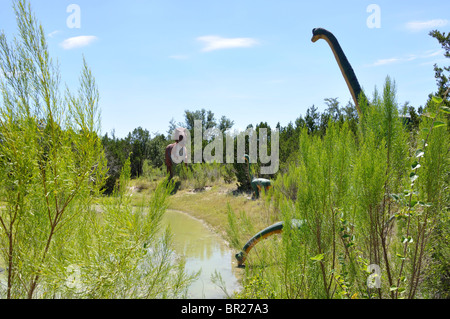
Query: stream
(205,250)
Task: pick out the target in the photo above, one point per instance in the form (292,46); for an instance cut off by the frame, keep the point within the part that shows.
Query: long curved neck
(344,65)
(250,176)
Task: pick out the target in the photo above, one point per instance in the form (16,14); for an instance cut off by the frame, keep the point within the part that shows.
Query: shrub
(368,202)
(52,166)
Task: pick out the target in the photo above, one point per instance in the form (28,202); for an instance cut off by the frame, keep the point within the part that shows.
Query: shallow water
(205,250)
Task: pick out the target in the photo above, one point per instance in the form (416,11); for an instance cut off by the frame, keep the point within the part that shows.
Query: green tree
(207,118)
(351,116)
(117,152)
(442,74)
(56,241)
(139,140)
(156,149)
(333,108)
(225,124)
(366,198)
(312,119)
(51,157)
(437,272)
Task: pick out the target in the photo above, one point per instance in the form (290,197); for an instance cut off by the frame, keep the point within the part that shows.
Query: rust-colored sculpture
(173,150)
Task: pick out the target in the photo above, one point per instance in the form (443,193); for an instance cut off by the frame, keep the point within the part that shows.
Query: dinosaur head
(240,258)
(318,33)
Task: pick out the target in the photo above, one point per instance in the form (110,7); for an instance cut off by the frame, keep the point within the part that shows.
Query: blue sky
(249,60)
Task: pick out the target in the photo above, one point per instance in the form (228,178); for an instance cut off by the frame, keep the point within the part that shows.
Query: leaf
(413,176)
(400,216)
(429,114)
(393,288)
(419,153)
(426,130)
(445,109)
(436,99)
(408,240)
(318,257)
(413,203)
(425,204)
(415,165)
(394,197)
(401,257)
(438,124)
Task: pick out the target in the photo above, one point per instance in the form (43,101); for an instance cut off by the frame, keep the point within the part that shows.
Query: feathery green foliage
(54,241)
(350,189)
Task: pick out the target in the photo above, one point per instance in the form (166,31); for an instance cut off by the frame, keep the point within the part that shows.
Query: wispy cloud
(52,34)
(385,61)
(213,42)
(426,25)
(426,55)
(432,53)
(78,42)
(178,57)
(275,81)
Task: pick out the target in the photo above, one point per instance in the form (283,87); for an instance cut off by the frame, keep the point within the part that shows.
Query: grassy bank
(211,204)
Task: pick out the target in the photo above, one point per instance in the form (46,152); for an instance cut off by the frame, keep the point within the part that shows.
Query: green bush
(56,242)
(229,174)
(369,201)
(151,172)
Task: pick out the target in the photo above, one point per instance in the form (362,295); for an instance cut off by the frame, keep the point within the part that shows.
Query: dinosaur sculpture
(266,232)
(344,65)
(172,151)
(257,183)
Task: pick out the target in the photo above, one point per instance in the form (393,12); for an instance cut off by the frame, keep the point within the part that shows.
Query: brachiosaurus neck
(344,65)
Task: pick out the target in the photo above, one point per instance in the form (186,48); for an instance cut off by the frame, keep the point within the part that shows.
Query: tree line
(140,145)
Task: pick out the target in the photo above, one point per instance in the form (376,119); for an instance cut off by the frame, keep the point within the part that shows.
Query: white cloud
(431,53)
(426,25)
(52,34)
(426,55)
(178,57)
(78,42)
(385,61)
(213,42)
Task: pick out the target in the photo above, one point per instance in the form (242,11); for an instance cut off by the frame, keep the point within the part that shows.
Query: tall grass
(370,202)
(122,251)
(200,175)
(54,241)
